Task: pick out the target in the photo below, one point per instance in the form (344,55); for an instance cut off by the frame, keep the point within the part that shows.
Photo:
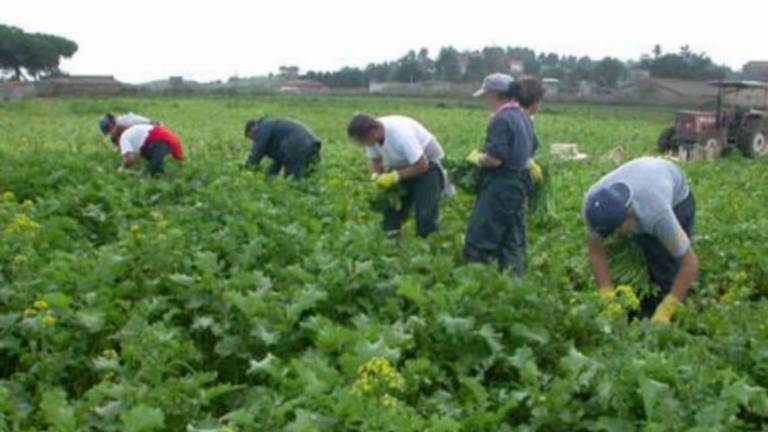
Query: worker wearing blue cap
(113,126)
(651,200)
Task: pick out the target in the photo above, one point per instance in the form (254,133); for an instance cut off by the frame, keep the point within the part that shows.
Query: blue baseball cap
(607,208)
(105,124)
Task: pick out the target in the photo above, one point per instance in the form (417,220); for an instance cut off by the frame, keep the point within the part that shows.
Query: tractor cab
(740,121)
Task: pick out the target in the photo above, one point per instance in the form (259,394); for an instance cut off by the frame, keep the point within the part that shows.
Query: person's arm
(260,144)
(498,146)
(600,265)
(488,161)
(688,274)
(129,160)
(420,167)
(377,166)
(677,242)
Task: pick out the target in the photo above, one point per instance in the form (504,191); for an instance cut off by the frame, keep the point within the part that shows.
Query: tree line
(32,55)
(452,65)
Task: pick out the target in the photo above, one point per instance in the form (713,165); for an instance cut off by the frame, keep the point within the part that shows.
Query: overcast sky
(140,40)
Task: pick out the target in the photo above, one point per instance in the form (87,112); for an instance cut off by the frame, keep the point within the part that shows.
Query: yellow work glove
(474,157)
(607,294)
(666,310)
(388,180)
(536,172)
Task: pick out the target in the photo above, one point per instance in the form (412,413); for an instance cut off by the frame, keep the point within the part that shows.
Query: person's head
(107,124)
(365,130)
(251,126)
(609,211)
(532,94)
(495,90)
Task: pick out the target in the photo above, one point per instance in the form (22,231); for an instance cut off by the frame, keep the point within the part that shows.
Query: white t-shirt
(131,119)
(133,139)
(405,142)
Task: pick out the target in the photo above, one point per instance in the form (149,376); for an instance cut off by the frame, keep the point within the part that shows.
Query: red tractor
(739,122)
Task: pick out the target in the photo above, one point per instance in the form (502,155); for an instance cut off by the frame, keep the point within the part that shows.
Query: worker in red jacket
(153,143)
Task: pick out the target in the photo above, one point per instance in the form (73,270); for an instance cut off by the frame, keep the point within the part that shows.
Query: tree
(684,65)
(608,72)
(36,54)
(409,69)
(448,65)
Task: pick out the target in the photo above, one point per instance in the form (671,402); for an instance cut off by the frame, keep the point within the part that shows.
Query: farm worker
(496,229)
(152,142)
(404,153)
(113,126)
(289,144)
(649,199)
(532,93)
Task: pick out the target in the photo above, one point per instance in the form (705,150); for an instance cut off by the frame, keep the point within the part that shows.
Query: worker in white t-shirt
(405,153)
(114,126)
(153,143)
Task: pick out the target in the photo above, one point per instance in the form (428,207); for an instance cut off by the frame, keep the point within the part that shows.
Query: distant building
(551,85)
(637,75)
(516,68)
(15,90)
(79,85)
(756,70)
(670,91)
(289,72)
(300,87)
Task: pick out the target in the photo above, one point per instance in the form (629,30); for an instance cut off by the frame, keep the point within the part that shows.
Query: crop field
(213,299)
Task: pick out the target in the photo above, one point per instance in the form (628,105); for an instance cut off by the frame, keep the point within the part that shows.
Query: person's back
(288,143)
(657,186)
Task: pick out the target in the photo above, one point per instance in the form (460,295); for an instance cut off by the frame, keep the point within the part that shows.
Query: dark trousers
(299,163)
(424,193)
(496,229)
(155,154)
(662,266)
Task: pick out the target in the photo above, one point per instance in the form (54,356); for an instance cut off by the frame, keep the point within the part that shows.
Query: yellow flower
(109,353)
(388,401)
(613,310)
(29,312)
(626,292)
(27,204)
(41,305)
(377,373)
(24,222)
(49,320)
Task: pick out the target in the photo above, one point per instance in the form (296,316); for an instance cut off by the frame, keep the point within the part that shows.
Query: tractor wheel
(666,141)
(754,143)
(712,144)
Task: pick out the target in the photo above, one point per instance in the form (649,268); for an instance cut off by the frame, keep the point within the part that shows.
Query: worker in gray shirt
(290,145)
(497,229)
(650,199)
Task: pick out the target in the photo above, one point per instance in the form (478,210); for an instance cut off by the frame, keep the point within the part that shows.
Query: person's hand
(388,180)
(666,310)
(537,174)
(474,157)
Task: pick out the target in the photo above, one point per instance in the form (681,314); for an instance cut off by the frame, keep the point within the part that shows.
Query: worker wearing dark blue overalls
(292,147)
(497,229)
